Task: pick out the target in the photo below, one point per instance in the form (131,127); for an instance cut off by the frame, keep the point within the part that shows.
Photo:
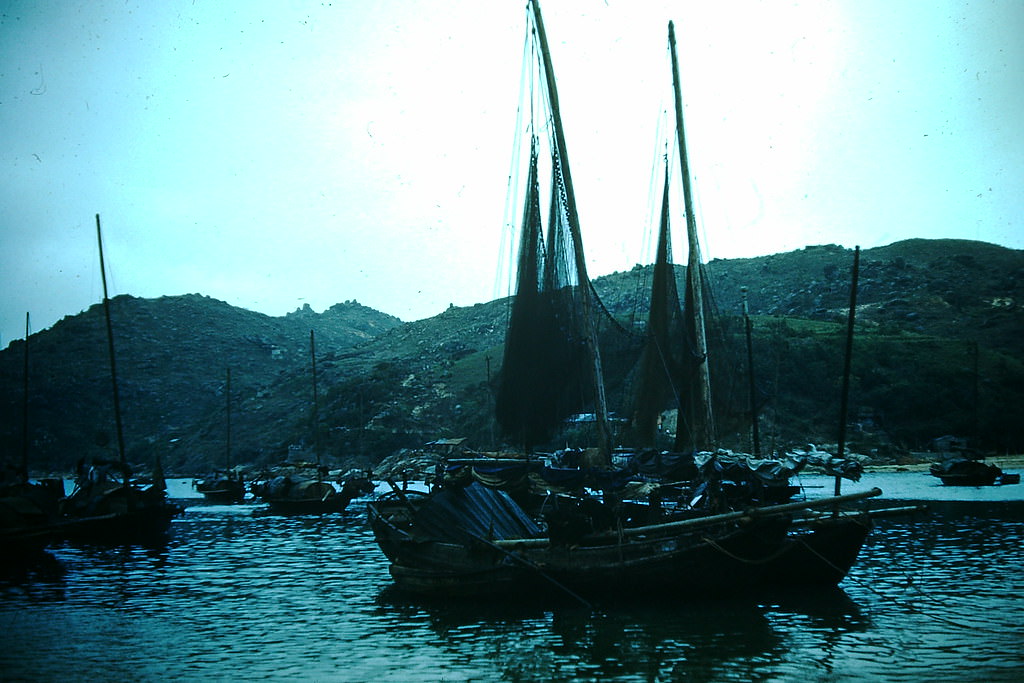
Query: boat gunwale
(710,520)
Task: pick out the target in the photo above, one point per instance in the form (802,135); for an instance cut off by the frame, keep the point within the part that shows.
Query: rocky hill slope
(172,358)
(938,350)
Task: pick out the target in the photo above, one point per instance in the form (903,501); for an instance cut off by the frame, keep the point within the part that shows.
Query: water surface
(237,594)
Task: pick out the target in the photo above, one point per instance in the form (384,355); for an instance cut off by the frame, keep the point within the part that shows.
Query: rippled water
(236,595)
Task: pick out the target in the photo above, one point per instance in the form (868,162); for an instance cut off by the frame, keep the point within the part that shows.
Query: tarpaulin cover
(476,511)
(670,466)
(511,475)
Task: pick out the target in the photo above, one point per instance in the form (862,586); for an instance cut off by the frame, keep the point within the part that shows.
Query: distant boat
(305,488)
(469,539)
(967,471)
(222,486)
(105,504)
(958,463)
(226,485)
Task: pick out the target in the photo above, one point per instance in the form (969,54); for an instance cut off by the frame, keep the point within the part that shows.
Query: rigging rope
(906,605)
(736,557)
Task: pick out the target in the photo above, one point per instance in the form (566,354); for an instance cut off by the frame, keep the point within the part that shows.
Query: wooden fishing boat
(306,488)
(298,491)
(467,539)
(227,485)
(28,509)
(29,516)
(477,540)
(101,508)
(966,471)
(117,512)
(222,486)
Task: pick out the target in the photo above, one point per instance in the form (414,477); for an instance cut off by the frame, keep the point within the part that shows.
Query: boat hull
(107,512)
(140,525)
(822,555)
(149,523)
(968,472)
(221,488)
(725,559)
(308,506)
(223,494)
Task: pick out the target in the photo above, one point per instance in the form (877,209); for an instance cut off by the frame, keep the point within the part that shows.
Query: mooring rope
(906,605)
(863,584)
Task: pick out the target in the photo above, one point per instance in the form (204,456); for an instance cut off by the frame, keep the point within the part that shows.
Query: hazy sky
(272,154)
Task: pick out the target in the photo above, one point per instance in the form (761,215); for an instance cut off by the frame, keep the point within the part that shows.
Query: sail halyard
(702,424)
(563,169)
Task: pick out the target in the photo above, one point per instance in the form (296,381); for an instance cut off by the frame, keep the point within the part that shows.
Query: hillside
(938,350)
(172,357)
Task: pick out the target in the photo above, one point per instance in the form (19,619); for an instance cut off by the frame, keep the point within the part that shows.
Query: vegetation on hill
(938,350)
(172,357)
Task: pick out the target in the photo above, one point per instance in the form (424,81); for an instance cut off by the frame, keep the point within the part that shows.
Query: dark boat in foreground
(28,509)
(465,538)
(29,515)
(476,540)
(105,510)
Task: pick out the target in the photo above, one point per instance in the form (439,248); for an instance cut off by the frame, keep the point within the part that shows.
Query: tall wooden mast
(227,448)
(113,364)
(601,404)
(316,401)
(704,428)
(24,414)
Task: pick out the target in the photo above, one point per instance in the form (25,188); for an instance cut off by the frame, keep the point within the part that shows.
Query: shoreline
(1004,462)
(922,464)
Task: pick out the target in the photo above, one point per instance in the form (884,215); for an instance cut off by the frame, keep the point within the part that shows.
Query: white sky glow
(275,154)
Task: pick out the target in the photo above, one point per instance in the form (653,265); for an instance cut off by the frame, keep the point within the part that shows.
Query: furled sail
(552,364)
(544,374)
(674,365)
(658,380)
